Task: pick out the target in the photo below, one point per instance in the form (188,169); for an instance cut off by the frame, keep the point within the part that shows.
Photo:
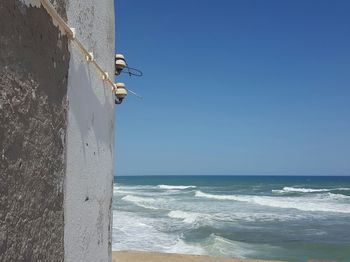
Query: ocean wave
(201,219)
(301,190)
(145,202)
(187,217)
(127,225)
(135,187)
(217,197)
(264,216)
(181,247)
(321,203)
(122,192)
(175,187)
(335,196)
(221,246)
(141,192)
(307,190)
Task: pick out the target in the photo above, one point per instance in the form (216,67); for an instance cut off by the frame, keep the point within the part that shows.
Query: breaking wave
(334,196)
(175,187)
(145,202)
(187,217)
(322,202)
(301,190)
(226,247)
(307,190)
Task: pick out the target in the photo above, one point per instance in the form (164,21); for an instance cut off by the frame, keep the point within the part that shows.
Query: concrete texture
(34,60)
(90,135)
(56,133)
(60,6)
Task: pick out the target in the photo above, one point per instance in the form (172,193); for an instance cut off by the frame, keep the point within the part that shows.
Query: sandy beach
(138,256)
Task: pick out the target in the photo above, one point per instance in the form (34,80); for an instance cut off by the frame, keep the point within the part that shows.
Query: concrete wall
(90,134)
(34,60)
(56,133)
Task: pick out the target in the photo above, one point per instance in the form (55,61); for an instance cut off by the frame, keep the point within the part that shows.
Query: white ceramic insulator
(90,57)
(105,76)
(72,29)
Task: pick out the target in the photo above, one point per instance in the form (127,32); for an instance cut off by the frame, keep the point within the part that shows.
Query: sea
(289,218)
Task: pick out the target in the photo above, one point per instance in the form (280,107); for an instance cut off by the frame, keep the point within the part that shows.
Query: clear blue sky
(235,87)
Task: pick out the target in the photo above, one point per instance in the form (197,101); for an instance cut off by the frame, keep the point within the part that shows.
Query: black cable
(132,71)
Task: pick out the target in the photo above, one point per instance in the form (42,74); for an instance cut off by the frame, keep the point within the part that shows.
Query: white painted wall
(90,135)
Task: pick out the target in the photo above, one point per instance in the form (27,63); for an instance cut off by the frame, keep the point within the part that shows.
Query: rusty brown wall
(34,61)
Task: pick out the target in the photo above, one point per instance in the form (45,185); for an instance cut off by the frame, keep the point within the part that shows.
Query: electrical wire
(132,71)
(71,34)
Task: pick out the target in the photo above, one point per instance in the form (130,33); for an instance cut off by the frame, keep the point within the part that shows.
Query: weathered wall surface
(56,133)
(34,60)
(90,134)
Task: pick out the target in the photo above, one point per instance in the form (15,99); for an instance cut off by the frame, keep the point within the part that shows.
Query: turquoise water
(268,217)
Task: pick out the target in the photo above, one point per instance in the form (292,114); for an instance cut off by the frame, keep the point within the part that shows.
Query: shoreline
(144,256)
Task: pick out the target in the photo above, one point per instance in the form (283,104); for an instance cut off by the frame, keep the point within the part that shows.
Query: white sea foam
(322,203)
(136,187)
(262,216)
(130,189)
(134,232)
(307,190)
(145,202)
(183,248)
(140,190)
(212,219)
(301,190)
(224,247)
(175,187)
(127,225)
(123,192)
(335,196)
(221,246)
(187,217)
(217,197)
